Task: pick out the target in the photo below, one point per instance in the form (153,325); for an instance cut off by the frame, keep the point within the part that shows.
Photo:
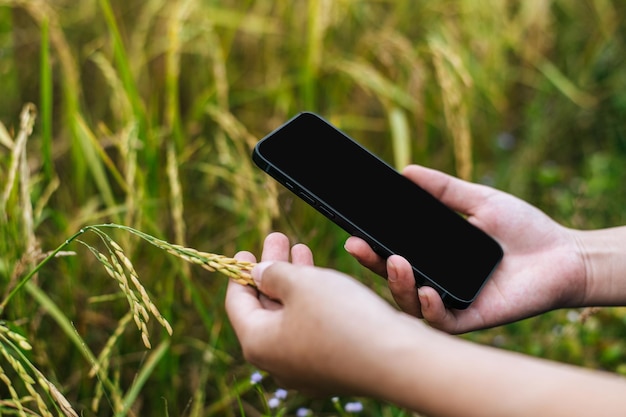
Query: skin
(546,266)
(323,333)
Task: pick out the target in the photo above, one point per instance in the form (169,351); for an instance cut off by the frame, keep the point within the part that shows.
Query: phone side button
(307,198)
(327,212)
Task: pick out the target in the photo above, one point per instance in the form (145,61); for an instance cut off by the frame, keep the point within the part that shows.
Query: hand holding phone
(369,199)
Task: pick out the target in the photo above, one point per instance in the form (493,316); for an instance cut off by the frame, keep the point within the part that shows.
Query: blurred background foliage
(148,111)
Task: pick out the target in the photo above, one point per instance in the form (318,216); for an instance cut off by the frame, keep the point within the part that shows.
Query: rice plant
(142,120)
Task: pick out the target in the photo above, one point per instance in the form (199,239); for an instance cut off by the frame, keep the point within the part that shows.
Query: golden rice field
(144,114)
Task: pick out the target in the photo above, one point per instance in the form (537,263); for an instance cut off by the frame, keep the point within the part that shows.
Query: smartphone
(368,198)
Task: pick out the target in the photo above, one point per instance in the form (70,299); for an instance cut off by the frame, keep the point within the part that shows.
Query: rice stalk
(115,270)
(241,173)
(177,18)
(5,138)
(319,12)
(27,121)
(233,134)
(26,204)
(27,259)
(97,159)
(128,147)
(566,86)
(16,360)
(44,198)
(16,338)
(119,267)
(53,37)
(56,395)
(176,194)
(67,327)
(220,73)
(44,14)
(98,393)
(122,61)
(16,400)
(16,365)
(145,298)
(138,38)
(142,377)
(454,80)
(46,99)
(400,137)
(177,210)
(235,269)
(198,402)
(101,365)
(370,79)
(126,140)
(120,103)
(102,362)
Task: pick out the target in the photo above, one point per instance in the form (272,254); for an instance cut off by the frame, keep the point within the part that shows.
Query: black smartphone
(368,198)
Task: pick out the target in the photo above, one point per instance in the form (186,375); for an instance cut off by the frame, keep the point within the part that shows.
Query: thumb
(459,195)
(273,278)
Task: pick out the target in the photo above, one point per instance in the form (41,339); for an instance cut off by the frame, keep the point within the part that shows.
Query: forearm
(604,253)
(443,375)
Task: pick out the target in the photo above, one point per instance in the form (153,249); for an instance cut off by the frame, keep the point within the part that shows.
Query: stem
(141,378)
(32,273)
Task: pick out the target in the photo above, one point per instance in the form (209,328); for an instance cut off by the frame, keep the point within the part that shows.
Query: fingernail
(257,271)
(424,302)
(392,271)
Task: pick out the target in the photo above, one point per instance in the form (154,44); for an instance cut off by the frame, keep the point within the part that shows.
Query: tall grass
(146,116)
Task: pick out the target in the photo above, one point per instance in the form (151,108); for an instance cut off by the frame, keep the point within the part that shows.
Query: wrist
(603,254)
(397,378)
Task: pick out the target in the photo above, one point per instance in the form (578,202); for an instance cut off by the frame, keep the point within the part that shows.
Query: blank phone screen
(373,200)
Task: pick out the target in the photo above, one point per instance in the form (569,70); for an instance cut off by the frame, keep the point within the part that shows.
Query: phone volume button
(327,212)
(307,198)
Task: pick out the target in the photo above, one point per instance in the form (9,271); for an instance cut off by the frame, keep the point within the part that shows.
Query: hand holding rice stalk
(121,269)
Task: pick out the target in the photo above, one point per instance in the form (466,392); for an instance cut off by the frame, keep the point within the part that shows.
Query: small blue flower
(273,402)
(256,377)
(303,412)
(281,394)
(354,407)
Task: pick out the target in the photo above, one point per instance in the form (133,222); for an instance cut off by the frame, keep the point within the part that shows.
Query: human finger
(274,278)
(301,255)
(275,247)
(435,312)
(401,281)
(241,300)
(364,254)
